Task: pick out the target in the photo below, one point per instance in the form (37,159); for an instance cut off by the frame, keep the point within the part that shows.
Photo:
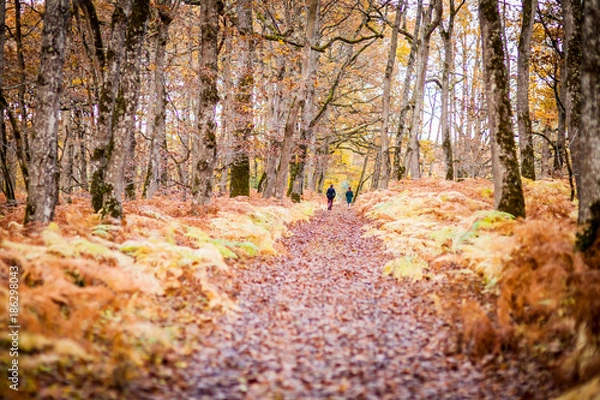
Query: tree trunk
(507,180)
(545,164)
(23,134)
(589,191)
(243,109)
(205,144)
(81,156)
(66,158)
(524,121)
(277,115)
(384,170)
(224,144)
(19,121)
(572,16)
(413,151)
(124,111)
(307,91)
(9,182)
(398,168)
(106,103)
(286,149)
(322,164)
(561,136)
(156,122)
(361,178)
(448,67)
(42,194)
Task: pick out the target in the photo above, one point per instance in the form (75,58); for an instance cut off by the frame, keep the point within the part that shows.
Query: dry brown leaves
(322,322)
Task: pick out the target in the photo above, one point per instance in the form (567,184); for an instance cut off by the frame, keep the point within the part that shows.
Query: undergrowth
(99,301)
(542,298)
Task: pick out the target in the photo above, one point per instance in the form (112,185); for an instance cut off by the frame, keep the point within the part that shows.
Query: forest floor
(321,321)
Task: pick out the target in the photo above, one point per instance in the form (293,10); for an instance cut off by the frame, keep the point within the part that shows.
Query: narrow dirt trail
(321,322)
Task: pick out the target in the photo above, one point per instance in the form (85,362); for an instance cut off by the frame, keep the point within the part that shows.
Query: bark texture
(430,22)
(572,18)
(156,173)
(508,188)
(383,174)
(205,145)
(398,167)
(42,194)
(124,111)
(20,127)
(523,118)
(19,124)
(589,191)
(8,186)
(307,92)
(106,102)
(243,109)
(286,150)
(277,116)
(447,37)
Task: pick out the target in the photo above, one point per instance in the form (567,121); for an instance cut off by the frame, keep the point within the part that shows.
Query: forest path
(321,322)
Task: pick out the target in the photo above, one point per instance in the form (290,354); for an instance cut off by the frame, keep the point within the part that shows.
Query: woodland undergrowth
(100,301)
(537,297)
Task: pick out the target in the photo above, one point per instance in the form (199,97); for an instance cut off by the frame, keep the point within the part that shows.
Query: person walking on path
(330,196)
(349,197)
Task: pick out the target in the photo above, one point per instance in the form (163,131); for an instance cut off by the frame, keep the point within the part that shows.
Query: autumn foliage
(99,301)
(104,304)
(539,296)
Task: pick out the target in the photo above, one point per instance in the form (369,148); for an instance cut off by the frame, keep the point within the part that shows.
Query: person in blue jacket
(330,196)
(349,197)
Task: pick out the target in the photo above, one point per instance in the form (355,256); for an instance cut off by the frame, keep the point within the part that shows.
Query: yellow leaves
(257,229)
(411,267)
(124,296)
(38,350)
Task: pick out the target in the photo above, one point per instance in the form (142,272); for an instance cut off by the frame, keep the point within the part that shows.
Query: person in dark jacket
(330,196)
(349,197)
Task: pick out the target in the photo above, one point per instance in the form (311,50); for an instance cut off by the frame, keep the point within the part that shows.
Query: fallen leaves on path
(322,322)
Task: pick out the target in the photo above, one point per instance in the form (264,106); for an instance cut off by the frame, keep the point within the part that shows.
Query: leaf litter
(435,295)
(323,322)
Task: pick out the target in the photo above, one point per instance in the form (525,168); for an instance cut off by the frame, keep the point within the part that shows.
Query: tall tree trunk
(81,153)
(524,121)
(361,178)
(572,16)
(205,144)
(277,116)
(589,191)
(561,135)
(508,189)
(106,102)
(66,158)
(545,165)
(23,137)
(9,185)
(286,149)
(224,143)
(307,91)
(382,175)
(124,111)
(413,151)
(243,110)
(157,119)
(322,164)
(130,172)
(19,123)
(42,194)
(448,67)
(405,107)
